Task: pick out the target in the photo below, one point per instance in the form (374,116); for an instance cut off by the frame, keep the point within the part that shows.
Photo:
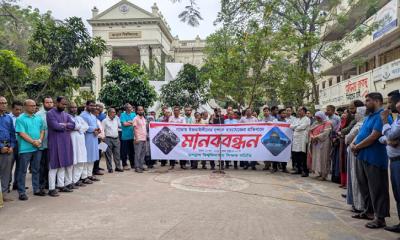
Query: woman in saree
(320,145)
(353,192)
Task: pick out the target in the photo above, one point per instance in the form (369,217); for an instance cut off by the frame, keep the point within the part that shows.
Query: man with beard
(60,125)
(44,163)
(391,138)
(372,164)
(176,118)
(78,146)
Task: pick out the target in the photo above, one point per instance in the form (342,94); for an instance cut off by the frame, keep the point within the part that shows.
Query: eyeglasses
(3,103)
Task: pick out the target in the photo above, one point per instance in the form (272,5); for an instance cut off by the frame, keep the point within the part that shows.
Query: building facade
(139,37)
(379,53)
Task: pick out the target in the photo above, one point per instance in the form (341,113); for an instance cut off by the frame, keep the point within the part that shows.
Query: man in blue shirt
(372,164)
(391,137)
(127,137)
(7,145)
(16,110)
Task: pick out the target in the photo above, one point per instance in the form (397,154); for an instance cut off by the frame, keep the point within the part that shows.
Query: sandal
(362,216)
(376,224)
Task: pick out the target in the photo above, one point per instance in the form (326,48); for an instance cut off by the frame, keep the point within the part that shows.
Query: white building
(380,72)
(138,36)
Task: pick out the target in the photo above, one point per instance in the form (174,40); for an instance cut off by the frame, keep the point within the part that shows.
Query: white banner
(238,142)
(387,72)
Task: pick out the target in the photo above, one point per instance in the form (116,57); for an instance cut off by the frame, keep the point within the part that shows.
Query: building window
(389,56)
(330,82)
(323,84)
(337,79)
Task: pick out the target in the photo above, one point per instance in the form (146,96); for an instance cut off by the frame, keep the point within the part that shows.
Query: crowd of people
(60,146)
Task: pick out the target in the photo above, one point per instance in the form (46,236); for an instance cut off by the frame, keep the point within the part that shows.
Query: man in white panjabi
(78,146)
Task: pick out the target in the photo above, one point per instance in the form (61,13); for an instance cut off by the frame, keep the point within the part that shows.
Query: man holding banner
(176,118)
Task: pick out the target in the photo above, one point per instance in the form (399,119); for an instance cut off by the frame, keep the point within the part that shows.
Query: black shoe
(395,228)
(65,190)
(304,175)
(87,181)
(253,168)
(53,193)
(245,168)
(119,170)
(163,164)
(79,184)
(274,170)
(138,170)
(204,167)
(41,193)
(110,171)
(150,166)
(72,186)
(376,223)
(363,216)
(344,195)
(94,179)
(23,197)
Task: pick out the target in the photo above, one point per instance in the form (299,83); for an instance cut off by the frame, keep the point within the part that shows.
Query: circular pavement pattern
(209,183)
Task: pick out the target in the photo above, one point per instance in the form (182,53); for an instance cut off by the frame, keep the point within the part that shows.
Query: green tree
(191,15)
(16,24)
(13,73)
(189,88)
(301,26)
(63,45)
(126,83)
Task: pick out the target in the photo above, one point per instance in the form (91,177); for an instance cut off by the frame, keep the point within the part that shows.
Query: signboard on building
(124,35)
(345,92)
(387,17)
(387,72)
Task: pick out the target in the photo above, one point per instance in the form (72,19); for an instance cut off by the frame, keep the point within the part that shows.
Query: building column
(144,55)
(157,53)
(100,70)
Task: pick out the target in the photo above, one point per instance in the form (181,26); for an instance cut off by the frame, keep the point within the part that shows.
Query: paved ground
(190,205)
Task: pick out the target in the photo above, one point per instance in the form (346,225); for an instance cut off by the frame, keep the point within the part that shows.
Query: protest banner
(238,142)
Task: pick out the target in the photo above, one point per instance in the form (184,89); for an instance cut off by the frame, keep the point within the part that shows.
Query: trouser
(113,153)
(194,163)
(96,165)
(127,150)
(140,153)
(212,163)
(275,165)
(63,176)
(163,162)
(395,180)
(87,170)
(374,188)
(5,166)
(15,162)
(295,164)
(77,172)
(301,159)
(44,170)
(34,159)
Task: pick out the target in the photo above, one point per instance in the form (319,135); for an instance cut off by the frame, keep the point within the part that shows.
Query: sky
(62,9)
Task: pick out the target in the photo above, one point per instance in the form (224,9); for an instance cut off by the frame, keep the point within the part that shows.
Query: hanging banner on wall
(238,142)
(387,17)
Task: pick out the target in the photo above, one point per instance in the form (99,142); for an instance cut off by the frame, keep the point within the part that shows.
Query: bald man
(30,129)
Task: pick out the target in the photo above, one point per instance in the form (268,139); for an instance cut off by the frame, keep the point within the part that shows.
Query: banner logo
(275,141)
(166,140)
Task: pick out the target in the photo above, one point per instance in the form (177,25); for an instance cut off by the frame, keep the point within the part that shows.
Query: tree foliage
(13,73)
(126,83)
(63,45)
(300,26)
(191,14)
(189,88)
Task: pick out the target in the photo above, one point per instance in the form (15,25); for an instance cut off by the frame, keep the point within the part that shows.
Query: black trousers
(275,165)
(300,158)
(16,162)
(127,150)
(374,188)
(181,162)
(212,163)
(44,170)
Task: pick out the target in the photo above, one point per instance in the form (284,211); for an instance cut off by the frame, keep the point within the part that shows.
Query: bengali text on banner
(238,142)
